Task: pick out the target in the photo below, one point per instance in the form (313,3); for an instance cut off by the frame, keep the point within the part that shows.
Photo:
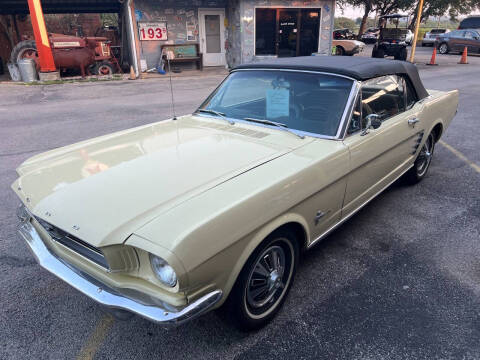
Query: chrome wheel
(443,49)
(425,156)
(269,278)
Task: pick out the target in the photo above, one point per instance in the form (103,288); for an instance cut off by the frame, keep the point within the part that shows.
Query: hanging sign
(152,30)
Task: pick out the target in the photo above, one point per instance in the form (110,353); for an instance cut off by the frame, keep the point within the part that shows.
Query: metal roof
(62,6)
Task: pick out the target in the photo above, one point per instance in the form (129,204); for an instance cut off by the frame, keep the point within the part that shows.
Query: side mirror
(373,122)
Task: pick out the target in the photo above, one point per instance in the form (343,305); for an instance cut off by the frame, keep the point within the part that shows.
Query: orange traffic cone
(464,60)
(132,74)
(434,57)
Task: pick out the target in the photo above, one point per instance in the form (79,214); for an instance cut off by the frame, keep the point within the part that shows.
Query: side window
(469,35)
(383,96)
(410,94)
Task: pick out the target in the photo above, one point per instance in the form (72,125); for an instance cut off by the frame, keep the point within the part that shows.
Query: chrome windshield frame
(343,121)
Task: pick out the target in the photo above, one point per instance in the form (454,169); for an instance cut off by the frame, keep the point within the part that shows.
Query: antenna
(171,88)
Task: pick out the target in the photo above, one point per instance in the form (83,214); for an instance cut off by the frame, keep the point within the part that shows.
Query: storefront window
(265,25)
(286,32)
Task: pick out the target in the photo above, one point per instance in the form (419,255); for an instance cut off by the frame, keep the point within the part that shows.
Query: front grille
(75,244)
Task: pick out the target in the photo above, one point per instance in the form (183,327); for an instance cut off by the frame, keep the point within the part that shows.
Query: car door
(471,41)
(457,40)
(379,156)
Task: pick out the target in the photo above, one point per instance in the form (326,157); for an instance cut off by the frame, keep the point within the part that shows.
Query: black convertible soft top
(359,68)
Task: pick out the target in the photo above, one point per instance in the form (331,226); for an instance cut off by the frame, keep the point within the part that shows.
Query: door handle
(413,121)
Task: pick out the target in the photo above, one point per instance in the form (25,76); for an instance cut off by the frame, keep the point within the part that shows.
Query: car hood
(102,189)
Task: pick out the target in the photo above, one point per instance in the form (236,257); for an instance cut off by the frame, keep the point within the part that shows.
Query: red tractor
(91,55)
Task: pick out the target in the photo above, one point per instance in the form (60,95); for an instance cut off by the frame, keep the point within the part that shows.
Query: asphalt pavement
(399,280)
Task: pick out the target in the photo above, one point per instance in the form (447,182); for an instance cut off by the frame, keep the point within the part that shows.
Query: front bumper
(106,295)
(428,41)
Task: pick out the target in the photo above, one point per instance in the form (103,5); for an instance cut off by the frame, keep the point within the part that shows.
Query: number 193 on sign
(152,31)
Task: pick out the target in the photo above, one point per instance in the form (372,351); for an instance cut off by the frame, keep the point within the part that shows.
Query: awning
(62,6)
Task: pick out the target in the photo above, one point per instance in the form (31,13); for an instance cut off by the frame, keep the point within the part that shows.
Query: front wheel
(443,48)
(104,68)
(340,51)
(264,282)
(422,163)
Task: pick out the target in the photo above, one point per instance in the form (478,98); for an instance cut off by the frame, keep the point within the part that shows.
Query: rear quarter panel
(439,108)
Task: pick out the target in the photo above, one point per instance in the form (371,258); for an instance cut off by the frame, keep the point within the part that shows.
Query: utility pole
(41,37)
(417,27)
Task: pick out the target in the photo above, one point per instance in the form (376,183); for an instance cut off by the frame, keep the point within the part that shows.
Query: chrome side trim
(108,296)
(356,210)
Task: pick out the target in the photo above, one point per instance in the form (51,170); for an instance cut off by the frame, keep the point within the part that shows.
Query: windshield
(308,102)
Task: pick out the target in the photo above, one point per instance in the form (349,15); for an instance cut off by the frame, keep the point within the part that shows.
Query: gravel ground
(400,280)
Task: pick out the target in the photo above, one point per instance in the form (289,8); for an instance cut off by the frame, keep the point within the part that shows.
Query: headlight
(163,271)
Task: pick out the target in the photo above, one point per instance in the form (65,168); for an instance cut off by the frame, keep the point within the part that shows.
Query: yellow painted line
(96,338)
(41,24)
(461,156)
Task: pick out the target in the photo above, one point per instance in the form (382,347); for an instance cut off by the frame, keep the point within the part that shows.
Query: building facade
(231,32)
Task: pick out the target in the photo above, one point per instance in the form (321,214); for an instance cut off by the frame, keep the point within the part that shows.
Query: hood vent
(237,130)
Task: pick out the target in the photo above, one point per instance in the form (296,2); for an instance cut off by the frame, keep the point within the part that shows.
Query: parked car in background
(370,36)
(471,22)
(430,37)
(172,219)
(342,34)
(348,47)
(457,40)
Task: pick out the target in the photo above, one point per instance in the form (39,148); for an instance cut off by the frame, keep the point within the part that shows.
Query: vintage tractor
(91,55)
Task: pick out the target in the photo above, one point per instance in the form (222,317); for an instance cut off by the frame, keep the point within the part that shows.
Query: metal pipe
(132,39)
(417,26)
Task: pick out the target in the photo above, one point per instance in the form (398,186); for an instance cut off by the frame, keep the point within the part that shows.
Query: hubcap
(443,49)
(267,280)
(425,157)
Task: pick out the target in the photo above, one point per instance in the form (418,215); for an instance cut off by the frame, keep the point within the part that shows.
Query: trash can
(28,70)
(14,73)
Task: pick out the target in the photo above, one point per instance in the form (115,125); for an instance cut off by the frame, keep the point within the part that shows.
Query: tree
(343,23)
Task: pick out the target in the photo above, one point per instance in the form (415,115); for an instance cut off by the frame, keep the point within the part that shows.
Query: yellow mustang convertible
(176,218)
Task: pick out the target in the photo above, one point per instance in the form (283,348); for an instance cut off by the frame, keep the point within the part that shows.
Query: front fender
(257,238)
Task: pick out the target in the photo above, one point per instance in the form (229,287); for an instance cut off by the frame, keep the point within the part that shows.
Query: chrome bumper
(106,295)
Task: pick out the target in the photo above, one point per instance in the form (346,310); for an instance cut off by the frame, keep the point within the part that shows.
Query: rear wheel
(423,161)
(340,51)
(443,48)
(264,282)
(24,49)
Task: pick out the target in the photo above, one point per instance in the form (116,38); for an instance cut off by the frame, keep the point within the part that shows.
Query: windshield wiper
(218,113)
(274,123)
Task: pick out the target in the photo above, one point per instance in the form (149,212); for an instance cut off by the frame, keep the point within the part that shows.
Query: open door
(212,36)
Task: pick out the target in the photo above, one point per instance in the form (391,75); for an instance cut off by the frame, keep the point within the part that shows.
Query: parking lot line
(461,156)
(96,338)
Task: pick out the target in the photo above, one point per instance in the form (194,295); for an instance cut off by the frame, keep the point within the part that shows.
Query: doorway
(287,32)
(212,36)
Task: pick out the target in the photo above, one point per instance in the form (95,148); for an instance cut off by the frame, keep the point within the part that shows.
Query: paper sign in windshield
(278,101)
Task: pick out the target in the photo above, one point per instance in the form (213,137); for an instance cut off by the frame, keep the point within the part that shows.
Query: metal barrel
(14,73)
(28,70)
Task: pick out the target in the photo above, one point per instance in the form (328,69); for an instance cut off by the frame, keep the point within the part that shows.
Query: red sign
(153,31)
